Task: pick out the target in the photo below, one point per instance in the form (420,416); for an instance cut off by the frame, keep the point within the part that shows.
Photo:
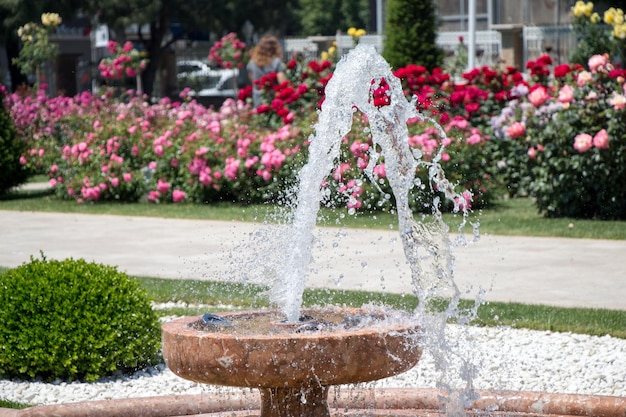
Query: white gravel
(505,358)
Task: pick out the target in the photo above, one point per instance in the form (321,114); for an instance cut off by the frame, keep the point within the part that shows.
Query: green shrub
(12,172)
(73,320)
(411,34)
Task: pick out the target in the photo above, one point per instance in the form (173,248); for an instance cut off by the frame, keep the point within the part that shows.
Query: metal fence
(556,41)
(488,45)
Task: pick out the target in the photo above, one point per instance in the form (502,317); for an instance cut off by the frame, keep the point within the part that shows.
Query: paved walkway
(560,272)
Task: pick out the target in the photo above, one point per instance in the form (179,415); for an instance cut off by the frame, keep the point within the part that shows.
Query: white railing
(345,42)
(488,45)
(303,46)
(556,41)
(537,41)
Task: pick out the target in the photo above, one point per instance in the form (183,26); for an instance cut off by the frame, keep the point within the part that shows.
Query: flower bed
(558,136)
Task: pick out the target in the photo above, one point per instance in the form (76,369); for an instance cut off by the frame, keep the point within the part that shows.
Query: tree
(15,13)
(325,17)
(207,16)
(12,171)
(37,49)
(411,33)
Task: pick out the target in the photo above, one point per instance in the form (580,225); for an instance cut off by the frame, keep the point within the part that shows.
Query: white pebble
(512,359)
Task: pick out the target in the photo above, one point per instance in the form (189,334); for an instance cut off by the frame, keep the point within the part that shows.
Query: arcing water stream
(363,80)
(426,245)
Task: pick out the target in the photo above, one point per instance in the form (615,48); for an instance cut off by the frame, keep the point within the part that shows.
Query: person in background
(266,57)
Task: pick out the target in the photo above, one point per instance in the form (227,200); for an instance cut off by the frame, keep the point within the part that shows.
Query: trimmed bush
(411,34)
(12,172)
(73,320)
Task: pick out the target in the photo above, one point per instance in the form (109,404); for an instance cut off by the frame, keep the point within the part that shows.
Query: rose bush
(98,148)
(573,132)
(228,52)
(501,130)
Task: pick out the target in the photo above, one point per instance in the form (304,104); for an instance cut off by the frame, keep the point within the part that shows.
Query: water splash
(357,83)
(426,245)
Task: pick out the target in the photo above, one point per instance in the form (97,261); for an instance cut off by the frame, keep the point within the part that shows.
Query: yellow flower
(595,18)
(359,33)
(50,19)
(614,16)
(332,50)
(582,9)
(352,31)
(619,31)
(324,55)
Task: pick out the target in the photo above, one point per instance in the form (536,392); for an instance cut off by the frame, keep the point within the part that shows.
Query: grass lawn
(558,319)
(507,217)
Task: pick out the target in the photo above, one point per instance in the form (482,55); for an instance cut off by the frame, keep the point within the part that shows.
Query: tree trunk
(158,30)
(17,78)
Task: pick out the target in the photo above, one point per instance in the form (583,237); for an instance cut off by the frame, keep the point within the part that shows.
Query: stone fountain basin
(288,359)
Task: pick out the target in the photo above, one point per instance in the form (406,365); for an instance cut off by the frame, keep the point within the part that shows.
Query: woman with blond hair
(266,57)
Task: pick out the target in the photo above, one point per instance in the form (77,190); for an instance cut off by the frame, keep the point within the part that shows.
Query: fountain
(292,364)
(293,369)
(293,355)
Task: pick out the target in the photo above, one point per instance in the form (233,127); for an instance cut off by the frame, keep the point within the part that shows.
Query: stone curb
(400,401)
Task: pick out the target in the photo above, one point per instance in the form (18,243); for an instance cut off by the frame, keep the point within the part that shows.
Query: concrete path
(560,272)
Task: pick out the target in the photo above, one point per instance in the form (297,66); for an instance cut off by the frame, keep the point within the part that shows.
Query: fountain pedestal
(288,401)
(292,368)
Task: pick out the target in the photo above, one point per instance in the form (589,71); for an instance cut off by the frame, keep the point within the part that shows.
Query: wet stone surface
(272,322)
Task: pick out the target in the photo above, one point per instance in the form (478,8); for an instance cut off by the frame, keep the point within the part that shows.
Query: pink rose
(532,153)
(583,142)
(178,196)
(618,101)
(516,130)
(566,94)
(583,78)
(538,96)
(153,196)
(380,171)
(601,139)
(596,62)
(127,176)
(163,186)
(127,47)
